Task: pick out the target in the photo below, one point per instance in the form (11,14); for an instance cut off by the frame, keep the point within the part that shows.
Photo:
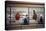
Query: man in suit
(34,15)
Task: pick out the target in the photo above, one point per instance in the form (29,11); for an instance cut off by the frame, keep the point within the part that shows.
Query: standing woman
(17,18)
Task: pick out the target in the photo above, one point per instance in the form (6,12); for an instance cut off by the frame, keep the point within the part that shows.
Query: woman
(17,17)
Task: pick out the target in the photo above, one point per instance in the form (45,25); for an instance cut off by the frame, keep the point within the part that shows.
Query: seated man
(26,21)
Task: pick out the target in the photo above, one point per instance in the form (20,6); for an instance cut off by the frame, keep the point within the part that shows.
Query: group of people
(26,20)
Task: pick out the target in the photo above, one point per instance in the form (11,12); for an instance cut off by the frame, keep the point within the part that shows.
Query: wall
(24,11)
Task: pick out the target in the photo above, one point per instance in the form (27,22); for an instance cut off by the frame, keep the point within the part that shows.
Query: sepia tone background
(24,8)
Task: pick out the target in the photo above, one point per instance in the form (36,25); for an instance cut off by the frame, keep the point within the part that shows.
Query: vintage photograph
(24,15)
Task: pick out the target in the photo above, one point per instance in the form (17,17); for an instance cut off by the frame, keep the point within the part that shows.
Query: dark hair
(34,11)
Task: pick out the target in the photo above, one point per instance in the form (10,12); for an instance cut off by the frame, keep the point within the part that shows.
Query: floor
(30,26)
